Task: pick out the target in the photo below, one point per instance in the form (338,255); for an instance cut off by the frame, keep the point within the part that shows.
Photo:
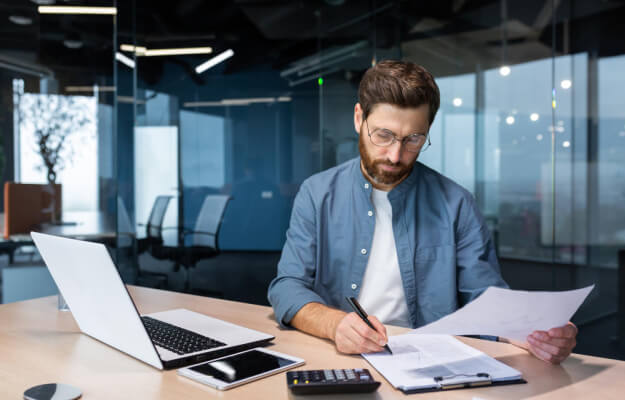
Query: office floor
(244,276)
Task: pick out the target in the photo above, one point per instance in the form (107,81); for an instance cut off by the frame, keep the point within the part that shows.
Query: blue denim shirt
(445,251)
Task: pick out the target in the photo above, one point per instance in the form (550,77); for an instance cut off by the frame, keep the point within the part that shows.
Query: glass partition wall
(530,123)
(56,124)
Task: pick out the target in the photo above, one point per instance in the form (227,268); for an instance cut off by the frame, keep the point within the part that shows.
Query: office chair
(154,243)
(201,242)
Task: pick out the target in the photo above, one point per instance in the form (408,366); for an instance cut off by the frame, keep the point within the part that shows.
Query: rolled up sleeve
(292,288)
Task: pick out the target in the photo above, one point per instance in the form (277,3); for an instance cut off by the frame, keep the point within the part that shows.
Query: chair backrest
(28,205)
(209,220)
(157,215)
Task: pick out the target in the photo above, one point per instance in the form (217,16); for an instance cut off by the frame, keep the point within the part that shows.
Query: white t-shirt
(382,292)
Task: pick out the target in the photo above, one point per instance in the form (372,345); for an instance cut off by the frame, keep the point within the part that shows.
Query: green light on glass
(320,81)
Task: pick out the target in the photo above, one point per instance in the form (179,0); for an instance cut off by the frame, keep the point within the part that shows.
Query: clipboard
(462,381)
(429,363)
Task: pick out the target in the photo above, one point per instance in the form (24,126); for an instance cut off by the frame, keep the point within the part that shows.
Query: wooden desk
(39,344)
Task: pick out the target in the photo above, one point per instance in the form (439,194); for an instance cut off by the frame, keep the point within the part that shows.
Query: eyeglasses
(415,143)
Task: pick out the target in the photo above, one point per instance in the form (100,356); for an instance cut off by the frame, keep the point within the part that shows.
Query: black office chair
(203,241)
(153,242)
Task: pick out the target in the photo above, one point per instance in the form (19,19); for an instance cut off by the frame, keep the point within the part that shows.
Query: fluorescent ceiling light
(89,88)
(129,62)
(214,61)
(177,51)
(131,48)
(237,102)
(129,100)
(77,10)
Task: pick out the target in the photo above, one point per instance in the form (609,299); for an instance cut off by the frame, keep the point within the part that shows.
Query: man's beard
(372,167)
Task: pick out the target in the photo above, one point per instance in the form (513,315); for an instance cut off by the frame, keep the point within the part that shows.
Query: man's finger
(558,342)
(363,343)
(567,331)
(365,331)
(550,348)
(379,327)
(543,355)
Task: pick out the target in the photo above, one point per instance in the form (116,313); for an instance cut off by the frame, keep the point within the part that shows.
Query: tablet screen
(242,366)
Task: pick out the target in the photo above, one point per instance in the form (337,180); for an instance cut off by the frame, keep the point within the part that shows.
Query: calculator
(322,381)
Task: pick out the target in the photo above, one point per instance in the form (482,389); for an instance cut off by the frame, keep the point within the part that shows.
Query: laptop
(103,309)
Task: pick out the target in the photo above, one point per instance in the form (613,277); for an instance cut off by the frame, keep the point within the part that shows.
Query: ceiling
(453,35)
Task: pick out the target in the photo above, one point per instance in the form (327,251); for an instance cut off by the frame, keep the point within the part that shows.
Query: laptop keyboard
(176,339)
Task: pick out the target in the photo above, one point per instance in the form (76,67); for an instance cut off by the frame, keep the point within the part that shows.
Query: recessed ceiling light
(20,20)
(566,144)
(509,120)
(504,71)
(457,102)
(534,116)
(73,41)
(566,84)
(539,137)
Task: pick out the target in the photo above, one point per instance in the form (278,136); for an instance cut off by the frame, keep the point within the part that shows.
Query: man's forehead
(400,119)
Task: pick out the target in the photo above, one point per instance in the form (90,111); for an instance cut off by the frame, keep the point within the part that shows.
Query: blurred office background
(189,177)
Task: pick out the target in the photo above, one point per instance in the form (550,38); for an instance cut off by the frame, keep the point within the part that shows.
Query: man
(410,244)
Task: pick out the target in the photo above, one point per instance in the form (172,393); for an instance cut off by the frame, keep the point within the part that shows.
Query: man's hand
(354,336)
(554,345)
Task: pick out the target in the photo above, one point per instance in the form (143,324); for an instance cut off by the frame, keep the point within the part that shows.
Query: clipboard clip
(457,381)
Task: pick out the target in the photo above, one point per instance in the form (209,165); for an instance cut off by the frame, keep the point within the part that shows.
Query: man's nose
(394,152)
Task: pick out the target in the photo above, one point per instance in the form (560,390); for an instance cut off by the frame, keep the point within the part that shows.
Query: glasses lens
(415,143)
(381,138)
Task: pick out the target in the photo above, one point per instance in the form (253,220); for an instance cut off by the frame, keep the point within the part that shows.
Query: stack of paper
(420,361)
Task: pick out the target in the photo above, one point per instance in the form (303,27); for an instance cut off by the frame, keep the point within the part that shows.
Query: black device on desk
(231,371)
(324,381)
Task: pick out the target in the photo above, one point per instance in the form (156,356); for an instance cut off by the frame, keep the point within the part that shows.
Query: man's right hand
(354,336)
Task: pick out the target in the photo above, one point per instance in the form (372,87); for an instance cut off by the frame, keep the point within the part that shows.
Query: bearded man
(407,242)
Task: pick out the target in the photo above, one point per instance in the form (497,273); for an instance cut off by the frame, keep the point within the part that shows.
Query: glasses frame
(423,148)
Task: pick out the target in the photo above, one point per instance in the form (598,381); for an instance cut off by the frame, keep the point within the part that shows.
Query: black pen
(363,315)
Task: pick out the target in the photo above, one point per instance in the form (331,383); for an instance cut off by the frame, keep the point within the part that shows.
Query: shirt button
(366,186)
(354,286)
(363,251)
(370,213)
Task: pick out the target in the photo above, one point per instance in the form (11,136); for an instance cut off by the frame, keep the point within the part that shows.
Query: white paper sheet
(417,359)
(512,314)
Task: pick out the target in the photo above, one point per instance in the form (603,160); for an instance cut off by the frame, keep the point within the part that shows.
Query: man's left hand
(554,345)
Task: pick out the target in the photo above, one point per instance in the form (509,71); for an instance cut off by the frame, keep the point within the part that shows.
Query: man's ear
(358,117)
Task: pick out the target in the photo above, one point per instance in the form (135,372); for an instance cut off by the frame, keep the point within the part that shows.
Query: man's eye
(384,135)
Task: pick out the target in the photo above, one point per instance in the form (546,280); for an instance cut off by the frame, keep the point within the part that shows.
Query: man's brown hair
(399,83)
